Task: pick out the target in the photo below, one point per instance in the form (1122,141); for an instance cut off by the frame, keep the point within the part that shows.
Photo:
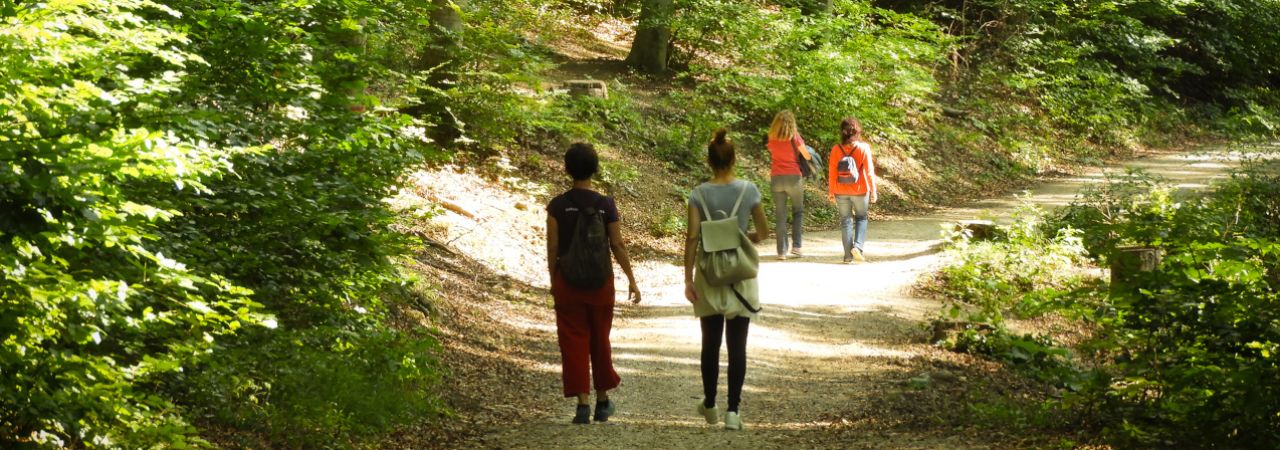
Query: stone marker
(587,88)
(1126,262)
(979,230)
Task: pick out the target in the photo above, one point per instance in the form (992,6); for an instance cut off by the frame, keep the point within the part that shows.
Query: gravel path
(833,342)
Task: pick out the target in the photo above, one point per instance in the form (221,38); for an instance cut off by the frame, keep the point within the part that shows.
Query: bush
(1180,354)
(172,193)
(325,387)
(93,310)
(998,275)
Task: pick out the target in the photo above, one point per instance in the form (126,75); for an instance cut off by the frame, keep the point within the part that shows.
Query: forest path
(833,342)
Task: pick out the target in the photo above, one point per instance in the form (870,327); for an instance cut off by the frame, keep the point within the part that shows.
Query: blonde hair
(783,127)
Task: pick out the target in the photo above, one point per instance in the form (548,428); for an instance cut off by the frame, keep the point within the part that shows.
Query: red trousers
(583,322)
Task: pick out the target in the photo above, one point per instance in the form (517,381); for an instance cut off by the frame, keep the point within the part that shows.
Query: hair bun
(721,136)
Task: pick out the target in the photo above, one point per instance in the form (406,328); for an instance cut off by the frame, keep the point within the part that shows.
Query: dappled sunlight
(546,364)
(465,210)
(651,358)
(793,345)
(527,323)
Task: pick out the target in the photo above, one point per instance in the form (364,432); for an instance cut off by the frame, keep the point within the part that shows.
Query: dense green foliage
(176,176)
(973,93)
(1184,353)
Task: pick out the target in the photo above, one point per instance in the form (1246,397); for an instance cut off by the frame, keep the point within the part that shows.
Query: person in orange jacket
(851,183)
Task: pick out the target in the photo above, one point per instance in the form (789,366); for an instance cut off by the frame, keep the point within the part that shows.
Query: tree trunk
(815,7)
(652,46)
(443,38)
(349,88)
(441,57)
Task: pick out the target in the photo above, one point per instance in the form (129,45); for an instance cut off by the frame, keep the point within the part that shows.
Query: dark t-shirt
(564,208)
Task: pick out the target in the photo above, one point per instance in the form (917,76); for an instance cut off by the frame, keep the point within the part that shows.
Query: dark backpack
(809,167)
(586,265)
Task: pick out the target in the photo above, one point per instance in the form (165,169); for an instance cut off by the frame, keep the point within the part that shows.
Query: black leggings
(736,334)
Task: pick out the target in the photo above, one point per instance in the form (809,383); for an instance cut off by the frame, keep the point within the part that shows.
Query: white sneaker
(857,255)
(732,421)
(712,414)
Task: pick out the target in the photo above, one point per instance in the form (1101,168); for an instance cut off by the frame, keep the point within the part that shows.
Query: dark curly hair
(581,162)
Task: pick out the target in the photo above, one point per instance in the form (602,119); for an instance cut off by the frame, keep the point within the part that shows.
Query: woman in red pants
(583,229)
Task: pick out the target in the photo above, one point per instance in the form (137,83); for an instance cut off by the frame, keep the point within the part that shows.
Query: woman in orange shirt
(785,182)
(851,182)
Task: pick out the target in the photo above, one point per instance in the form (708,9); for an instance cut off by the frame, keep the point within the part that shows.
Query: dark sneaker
(583,414)
(603,413)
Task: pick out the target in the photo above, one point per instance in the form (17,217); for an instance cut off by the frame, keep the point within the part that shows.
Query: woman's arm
(871,177)
(832,161)
(620,253)
(553,245)
(761,223)
(690,249)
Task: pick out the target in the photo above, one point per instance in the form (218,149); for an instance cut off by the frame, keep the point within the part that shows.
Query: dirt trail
(833,341)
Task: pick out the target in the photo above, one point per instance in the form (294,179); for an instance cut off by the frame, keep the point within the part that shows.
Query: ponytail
(720,152)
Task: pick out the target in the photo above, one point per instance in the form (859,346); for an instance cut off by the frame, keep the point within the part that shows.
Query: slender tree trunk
(816,7)
(652,46)
(349,89)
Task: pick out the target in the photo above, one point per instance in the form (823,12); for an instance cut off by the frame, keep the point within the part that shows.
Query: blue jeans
(787,187)
(853,209)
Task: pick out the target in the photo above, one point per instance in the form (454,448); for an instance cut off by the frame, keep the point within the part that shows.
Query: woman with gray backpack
(583,229)
(720,267)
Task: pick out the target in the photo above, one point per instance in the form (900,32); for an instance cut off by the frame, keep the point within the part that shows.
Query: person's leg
(574,339)
(574,335)
(796,195)
(777,189)
(861,204)
(712,329)
(844,204)
(602,371)
(736,338)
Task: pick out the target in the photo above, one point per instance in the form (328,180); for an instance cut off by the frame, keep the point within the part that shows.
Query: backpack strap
(745,303)
(707,212)
(739,202)
(568,195)
(795,148)
(703,202)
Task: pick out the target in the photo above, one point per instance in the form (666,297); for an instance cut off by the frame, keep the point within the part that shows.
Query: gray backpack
(847,166)
(586,264)
(726,255)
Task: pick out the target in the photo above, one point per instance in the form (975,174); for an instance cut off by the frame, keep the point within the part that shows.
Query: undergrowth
(1175,354)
